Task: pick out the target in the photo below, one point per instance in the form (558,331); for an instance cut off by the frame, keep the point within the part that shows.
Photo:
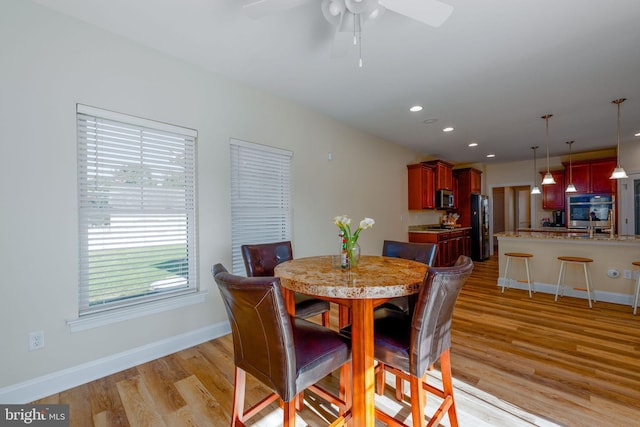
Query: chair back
(431,322)
(261,259)
(421,252)
(261,329)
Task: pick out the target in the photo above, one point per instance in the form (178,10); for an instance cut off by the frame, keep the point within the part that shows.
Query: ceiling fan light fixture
(333,11)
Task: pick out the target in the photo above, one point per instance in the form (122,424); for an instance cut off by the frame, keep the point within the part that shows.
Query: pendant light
(535,189)
(548,178)
(570,188)
(618,172)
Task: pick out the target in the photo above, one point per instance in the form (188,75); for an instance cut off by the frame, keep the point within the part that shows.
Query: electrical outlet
(36,340)
(627,274)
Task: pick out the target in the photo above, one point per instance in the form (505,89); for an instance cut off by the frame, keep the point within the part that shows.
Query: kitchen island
(611,257)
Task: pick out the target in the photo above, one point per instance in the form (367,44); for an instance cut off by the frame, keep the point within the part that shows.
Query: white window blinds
(137,210)
(260,197)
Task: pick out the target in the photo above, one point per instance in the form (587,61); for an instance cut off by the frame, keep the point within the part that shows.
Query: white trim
(138,121)
(55,382)
(547,288)
(121,314)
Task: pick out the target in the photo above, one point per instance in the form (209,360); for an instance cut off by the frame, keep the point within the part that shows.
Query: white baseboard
(55,382)
(546,288)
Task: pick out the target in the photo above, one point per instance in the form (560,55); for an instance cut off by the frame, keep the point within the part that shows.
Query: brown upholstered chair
(410,345)
(421,252)
(261,259)
(287,354)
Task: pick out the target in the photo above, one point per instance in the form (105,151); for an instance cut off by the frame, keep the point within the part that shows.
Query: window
(137,210)
(260,197)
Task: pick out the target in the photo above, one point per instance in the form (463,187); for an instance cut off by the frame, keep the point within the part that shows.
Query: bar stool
(587,274)
(517,255)
(635,301)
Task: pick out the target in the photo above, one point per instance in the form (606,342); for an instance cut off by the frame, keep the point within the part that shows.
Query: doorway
(511,209)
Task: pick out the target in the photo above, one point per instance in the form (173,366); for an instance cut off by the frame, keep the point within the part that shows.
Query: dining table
(357,290)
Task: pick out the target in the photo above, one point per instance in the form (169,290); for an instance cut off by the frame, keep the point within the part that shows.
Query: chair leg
(346,388)
(237,411)
(586,278)
(560,279)
(399,389)
(290,413)
(447,386)
(381,378)
(418,401)
(506,274)
(635,302)
(526,262)
(326,319)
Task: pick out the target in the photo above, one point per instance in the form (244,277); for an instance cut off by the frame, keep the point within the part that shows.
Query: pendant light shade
(548,178)
(570,188)
(535,189)
(618,172)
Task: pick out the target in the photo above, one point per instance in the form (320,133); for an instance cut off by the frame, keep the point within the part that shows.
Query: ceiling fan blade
(431,12)
(259,8)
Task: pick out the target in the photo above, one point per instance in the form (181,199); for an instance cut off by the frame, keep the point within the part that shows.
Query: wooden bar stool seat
(524,257)
(564,260)
(635,300)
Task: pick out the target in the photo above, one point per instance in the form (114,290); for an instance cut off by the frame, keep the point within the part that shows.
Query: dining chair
(421,252)
(287,354)
(261,259)
(409,345)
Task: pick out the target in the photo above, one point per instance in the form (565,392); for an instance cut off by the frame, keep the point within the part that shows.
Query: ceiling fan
(350,15)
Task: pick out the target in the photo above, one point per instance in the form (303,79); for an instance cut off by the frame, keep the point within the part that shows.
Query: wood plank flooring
(516,362)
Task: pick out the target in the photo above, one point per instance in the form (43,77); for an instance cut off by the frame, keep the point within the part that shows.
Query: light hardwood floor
(560,362)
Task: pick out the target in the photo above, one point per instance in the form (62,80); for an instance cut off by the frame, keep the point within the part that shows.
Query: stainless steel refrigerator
(480,249)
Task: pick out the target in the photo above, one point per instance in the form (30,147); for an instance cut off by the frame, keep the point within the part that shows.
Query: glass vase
(354,254)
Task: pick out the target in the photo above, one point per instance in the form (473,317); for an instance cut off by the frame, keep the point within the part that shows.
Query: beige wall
(50,63)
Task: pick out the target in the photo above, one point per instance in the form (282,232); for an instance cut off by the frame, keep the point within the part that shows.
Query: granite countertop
(374,277)
(579,236)
(434,228)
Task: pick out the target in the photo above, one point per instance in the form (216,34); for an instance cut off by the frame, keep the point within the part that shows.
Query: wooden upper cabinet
(421,187)
(468,181)
(592,176)
(553,194)
(581,177)
(443,172)
(600,172)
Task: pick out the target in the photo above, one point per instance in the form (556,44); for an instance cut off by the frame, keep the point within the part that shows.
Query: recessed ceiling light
(429,121)
(491,155)
(637,134)
(415,108)
(449,129)
(473,144)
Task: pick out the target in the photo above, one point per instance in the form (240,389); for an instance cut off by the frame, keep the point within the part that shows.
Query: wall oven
(595,210)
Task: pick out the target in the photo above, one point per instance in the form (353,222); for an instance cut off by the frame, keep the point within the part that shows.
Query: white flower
(367,223)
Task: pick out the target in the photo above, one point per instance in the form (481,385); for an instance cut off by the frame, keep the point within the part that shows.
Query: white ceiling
(491,70)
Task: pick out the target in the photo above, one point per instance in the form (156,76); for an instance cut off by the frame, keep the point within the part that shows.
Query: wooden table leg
(362,363)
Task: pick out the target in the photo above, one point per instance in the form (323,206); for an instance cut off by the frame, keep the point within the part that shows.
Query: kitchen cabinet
(421,187)
(592,176)
(451,244)
(553,194)
(443,174)
(468,181)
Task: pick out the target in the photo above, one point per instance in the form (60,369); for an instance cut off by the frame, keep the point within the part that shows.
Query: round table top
(374,277)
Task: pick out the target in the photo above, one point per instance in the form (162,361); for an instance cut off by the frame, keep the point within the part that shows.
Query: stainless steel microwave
(444,199)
